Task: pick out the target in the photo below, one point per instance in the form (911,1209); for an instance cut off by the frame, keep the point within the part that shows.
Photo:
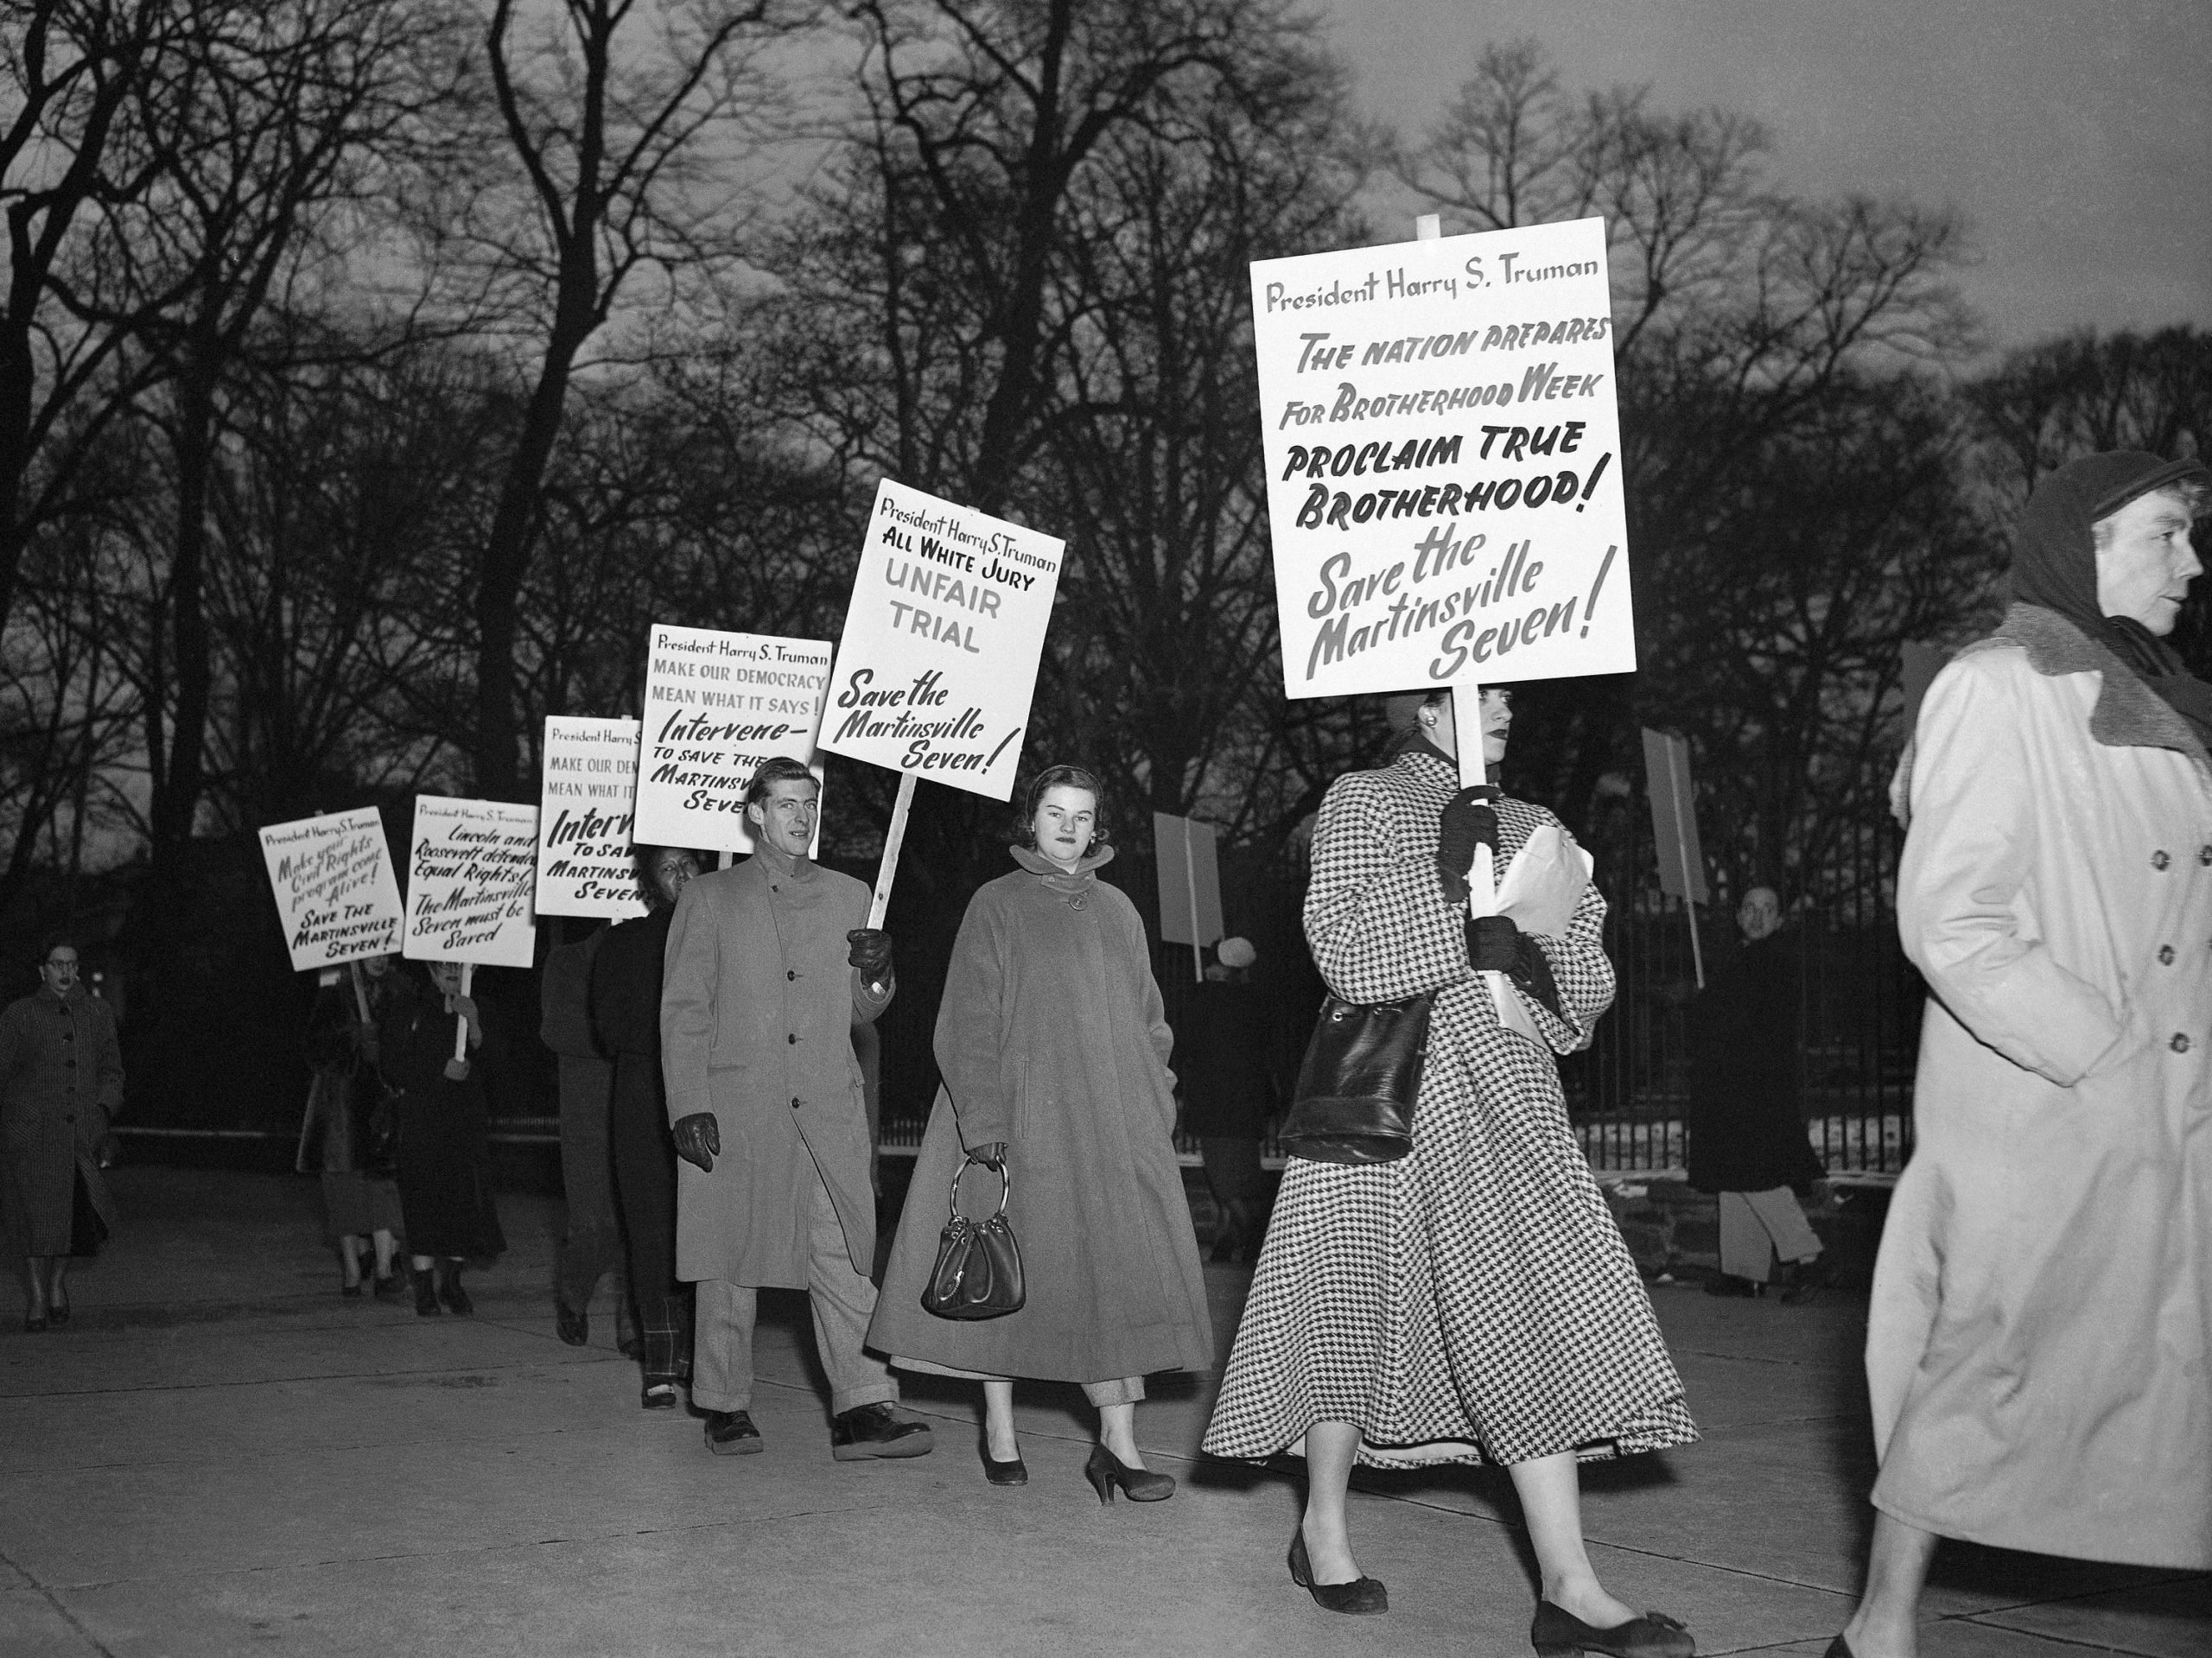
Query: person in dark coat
(625,977)
(445,1187)
(1746,1128)
(592,1241)
(1225,1051)
(60,1085)
(1054,1048)
(360,1201)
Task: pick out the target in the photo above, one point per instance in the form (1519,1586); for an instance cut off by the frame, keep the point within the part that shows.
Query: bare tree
(73,69)
(620,122)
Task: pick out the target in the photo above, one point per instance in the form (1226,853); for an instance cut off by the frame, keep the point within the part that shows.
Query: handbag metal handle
(1005,1182)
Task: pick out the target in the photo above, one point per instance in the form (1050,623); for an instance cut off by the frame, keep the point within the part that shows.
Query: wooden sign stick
(1682,848)
(360,990)
(460,1023)
(893,838)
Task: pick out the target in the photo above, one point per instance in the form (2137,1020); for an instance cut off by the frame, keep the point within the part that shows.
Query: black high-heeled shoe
(1012,1471)
(1363,1595)
(1106,1471)
(1839,1647)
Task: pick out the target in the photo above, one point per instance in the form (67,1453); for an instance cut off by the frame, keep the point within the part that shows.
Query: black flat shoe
(1557,1634)
(1839,1647)
(351,1292)
(33,1323)
(450,1292)
(571,1326)
(1107,1472)
(1363,1595)
(659,1396)
(866,1432)
(426,1294)
(1012,1471)
(58,1313)
(385,1287)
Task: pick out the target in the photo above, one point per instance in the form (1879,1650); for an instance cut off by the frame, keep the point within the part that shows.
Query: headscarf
(2055,565)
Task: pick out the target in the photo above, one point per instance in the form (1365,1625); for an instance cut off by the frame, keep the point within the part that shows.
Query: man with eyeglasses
(60,1085)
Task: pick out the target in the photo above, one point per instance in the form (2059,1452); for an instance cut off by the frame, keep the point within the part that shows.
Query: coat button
(1075,904)
(2166,956)
(2159,861)
(793,1036)
(2180,1044)
(794,1101)
(790,974)
(2204,854)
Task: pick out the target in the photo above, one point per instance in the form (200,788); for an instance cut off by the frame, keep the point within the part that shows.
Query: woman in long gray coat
(1054,1050)
(60,1085)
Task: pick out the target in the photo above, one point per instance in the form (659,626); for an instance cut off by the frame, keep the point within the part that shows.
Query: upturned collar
(2128,714)
(780,864)
(1084,873)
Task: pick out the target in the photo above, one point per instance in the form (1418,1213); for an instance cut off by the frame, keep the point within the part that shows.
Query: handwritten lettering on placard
(333,882)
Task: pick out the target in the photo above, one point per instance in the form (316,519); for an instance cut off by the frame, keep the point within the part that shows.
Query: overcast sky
(2075,134)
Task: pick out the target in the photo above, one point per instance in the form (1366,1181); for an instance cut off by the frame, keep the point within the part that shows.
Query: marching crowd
(2037,1342)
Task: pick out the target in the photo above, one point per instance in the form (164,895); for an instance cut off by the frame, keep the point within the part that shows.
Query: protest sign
(470,870)
(335,895)
(717,705)
(1674,828)
(939,660)
(1443,461)
(586,808)
(1190,884)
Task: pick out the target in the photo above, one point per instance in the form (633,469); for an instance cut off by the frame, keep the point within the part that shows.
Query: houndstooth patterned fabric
(1473,1301)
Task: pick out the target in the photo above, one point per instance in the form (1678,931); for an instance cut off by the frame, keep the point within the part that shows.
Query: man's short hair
(777,768)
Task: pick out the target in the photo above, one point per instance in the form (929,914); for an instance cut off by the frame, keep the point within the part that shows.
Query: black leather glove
(870,953)
(1493,943)
(698,1140)
(1496,945)
(1466,822)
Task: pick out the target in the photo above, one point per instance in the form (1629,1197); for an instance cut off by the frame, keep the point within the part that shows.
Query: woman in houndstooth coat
(1473,1301)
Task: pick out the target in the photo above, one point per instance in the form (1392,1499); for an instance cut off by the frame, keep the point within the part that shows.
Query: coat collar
(1086,871)
(2128,714)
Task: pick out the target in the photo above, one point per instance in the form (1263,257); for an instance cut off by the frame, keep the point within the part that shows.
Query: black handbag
(1360,1082)
(978,1270)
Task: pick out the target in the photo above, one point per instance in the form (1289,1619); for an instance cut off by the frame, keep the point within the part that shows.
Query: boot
(426,1293)
(450,1292)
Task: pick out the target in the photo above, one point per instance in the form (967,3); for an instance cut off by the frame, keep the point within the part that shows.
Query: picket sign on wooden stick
(461,1025)
(1191,884)
(360,990)
(893,838)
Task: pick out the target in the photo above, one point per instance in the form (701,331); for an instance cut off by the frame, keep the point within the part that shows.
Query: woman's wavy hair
(1060,777)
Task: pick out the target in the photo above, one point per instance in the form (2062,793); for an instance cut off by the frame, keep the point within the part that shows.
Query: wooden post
(459,1023)
(893,838)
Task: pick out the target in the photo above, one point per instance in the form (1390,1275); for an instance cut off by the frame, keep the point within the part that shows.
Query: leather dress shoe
(571,1326)
(659,1396)
(1839,1647)
(1011,1471)
(1363,1595)
(872,1430)
(731,1433)
(1557,1634)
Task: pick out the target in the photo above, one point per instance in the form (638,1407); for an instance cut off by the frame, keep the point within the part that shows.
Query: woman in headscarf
(1471,1301)
(2041,1327)
(1054,1049)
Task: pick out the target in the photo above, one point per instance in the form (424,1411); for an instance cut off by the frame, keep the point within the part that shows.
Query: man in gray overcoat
(769,967)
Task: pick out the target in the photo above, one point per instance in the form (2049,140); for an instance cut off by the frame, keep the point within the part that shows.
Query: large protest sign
(585,813)
(335,894)
(470,871)
(1190,884)
(938,660)
(717,705)
(1443,461)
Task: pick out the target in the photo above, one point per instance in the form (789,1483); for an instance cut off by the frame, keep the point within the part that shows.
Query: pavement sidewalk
(221,1455)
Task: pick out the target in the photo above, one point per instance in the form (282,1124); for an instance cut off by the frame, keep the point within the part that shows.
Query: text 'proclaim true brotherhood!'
(1443,456)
